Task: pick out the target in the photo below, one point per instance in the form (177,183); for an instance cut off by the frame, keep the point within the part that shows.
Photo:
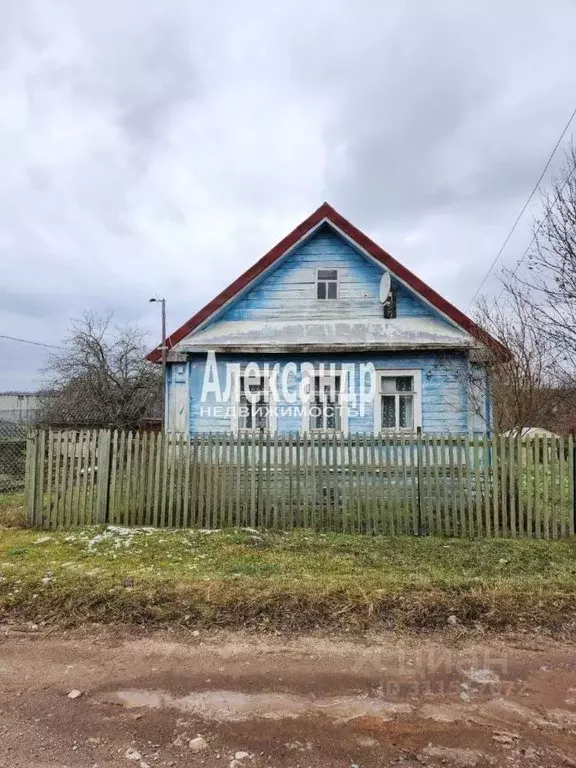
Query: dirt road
(300,702)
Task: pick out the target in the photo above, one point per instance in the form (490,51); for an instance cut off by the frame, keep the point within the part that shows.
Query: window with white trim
(327,284)
(326,404)
(398,406)
(253,406)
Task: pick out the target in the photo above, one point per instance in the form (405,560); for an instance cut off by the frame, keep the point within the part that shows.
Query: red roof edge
(325,211)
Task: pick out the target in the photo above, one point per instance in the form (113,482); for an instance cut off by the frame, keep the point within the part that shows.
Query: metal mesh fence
(12,457)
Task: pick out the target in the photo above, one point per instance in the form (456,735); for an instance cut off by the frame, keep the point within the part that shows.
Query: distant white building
(19,407)
(530,433)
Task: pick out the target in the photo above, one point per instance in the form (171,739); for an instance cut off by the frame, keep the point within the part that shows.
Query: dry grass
(293,581)
(12,510)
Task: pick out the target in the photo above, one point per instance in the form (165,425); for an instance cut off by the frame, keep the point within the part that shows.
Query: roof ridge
(327,212)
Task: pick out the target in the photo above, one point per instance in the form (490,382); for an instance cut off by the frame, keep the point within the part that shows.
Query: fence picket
(158,453)
(186,496)
(68,516)
(562,501)
(486,488)
(214,479)
(537,500)
(47,507)
(178,464)
(477,458)
(460,447)
(497,486)
(143,482)
(437,495)
(348,483)
(443,448)
(40,465)
(451,526)
(135,480)
(113,475)
(54,509)
(120,479)
(298,490)
(546,486)
(194,483)
(380,510)
(494,467)
(518,484)
(404,510)
(60,480)
(572,482)
(150,457)
(171,476)
(553,488)
(528,449)
(502,467)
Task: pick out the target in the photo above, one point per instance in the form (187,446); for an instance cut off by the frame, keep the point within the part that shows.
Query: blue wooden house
(327,332)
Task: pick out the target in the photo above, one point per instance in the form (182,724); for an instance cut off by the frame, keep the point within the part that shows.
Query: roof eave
(326,212)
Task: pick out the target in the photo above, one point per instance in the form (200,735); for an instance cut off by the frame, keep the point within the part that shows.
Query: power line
(28,341)
(533,240)
(526,204)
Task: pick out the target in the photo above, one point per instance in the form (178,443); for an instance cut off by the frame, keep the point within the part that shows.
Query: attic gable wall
(289,290)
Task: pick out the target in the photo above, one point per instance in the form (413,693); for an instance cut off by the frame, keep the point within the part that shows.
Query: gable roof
(325,213)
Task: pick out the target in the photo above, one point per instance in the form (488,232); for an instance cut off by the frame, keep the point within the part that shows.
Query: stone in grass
(75,694)
(198,744)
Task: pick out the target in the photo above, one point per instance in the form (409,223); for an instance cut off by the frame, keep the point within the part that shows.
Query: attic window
(327,284)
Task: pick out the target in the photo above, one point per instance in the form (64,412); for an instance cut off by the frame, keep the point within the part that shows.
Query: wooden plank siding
(287,292)
(290,289)
(444,396)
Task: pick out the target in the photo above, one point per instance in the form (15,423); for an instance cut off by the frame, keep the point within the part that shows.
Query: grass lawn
(293,581)
(12,510)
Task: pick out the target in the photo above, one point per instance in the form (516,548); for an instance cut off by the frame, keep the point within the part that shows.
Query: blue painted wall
(446,406)
(289,291)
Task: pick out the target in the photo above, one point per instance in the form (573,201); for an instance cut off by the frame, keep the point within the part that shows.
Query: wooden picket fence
(390,484)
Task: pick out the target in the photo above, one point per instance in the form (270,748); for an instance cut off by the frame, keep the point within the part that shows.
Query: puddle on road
(234,706)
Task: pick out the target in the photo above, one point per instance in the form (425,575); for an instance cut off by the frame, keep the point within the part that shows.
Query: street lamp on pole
(164,350)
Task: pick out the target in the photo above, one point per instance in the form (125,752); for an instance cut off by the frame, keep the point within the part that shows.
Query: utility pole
(164,351)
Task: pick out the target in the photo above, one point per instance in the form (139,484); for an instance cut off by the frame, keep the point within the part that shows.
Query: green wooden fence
(389,484)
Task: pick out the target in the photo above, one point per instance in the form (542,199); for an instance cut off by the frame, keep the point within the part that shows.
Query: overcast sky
(162,147)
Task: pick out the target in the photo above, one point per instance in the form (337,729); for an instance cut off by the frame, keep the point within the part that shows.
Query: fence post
(30,476)
(102,482)
(419,477)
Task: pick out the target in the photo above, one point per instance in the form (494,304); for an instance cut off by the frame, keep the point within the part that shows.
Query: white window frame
(395,373)
(309,403)
(323,280)
(235,405)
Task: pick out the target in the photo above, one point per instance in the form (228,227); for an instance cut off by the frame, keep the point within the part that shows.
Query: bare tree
(101,376)
(531,384)
(535,318)
(551,277)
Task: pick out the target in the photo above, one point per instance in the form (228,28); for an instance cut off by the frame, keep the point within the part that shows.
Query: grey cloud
(444,109)
(162,147)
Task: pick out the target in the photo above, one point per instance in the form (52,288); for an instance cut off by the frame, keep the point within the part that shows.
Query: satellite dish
(385,286)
